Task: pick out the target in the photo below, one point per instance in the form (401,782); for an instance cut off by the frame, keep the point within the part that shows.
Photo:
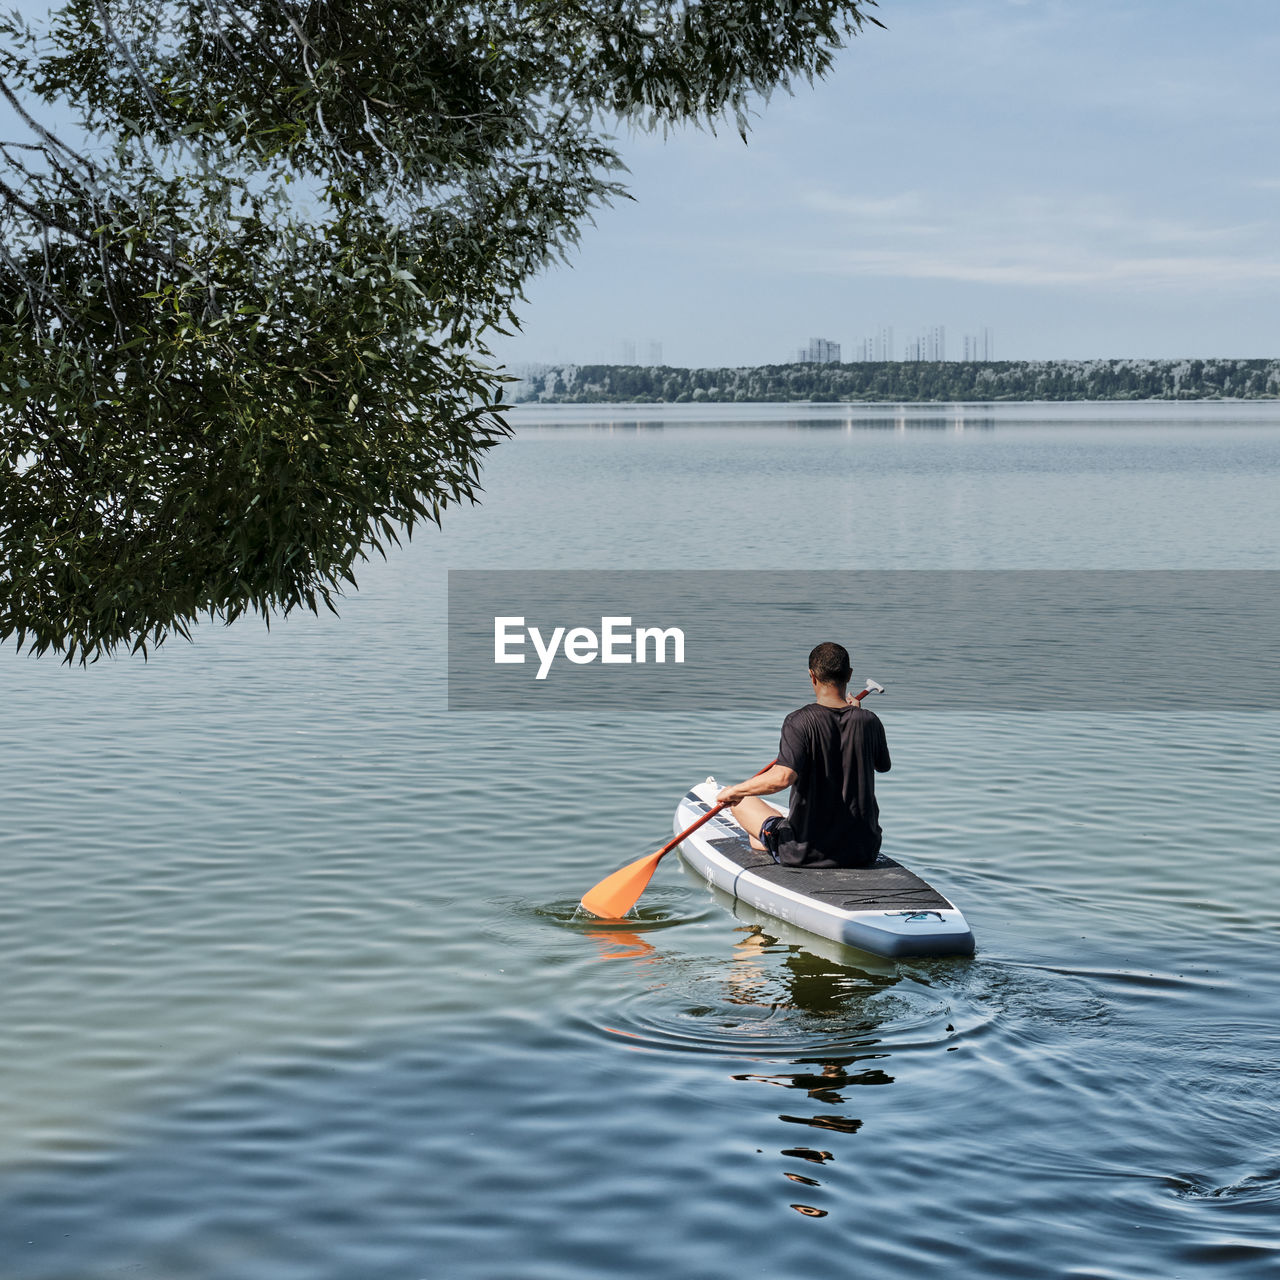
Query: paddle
(615,895)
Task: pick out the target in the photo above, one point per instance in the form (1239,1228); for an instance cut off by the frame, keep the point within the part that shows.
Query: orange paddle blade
(615,895)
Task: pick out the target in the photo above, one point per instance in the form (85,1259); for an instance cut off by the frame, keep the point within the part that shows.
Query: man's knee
(746,813)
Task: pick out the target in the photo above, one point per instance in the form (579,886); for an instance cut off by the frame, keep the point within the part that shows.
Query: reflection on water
(774,1000)
(807,1153)
(622,944)
(826,1084)
(824,989)
(958,420)
(837,1124)
(1004,414)
(808,1023)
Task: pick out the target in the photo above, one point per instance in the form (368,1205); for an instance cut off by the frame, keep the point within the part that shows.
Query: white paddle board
(885,908)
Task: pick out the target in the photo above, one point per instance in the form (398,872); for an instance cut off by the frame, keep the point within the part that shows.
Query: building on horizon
(877,346)
(930,345)
(819,351)
(655,353)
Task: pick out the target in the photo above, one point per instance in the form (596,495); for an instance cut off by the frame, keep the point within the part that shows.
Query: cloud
(1049,265)
(1023,240)
(905,204)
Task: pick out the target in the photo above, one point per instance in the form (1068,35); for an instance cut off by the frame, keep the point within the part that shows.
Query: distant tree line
(886,380)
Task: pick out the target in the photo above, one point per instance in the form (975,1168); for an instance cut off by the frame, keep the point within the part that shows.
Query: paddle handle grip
(706,817)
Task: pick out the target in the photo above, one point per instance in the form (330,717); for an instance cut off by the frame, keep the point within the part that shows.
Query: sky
(1085,180)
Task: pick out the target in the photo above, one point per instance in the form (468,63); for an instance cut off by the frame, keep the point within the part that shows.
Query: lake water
(291,988)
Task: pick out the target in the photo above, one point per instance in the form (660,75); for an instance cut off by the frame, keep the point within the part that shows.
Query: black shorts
(769,834)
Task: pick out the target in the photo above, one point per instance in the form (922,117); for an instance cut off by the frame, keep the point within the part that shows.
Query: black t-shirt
(834,819)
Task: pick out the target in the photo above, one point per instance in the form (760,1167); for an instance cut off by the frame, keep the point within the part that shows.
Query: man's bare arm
(776,778)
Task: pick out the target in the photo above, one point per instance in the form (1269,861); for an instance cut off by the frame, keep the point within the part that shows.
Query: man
(830,753)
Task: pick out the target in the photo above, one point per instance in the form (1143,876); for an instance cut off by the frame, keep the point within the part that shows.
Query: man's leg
(749,814)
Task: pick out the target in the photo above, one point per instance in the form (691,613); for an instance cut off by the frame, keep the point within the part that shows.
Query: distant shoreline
(898,382)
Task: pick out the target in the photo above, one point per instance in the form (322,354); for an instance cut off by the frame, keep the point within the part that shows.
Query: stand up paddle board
(884,908)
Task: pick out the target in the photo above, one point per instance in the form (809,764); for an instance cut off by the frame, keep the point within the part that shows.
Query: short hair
(829,663)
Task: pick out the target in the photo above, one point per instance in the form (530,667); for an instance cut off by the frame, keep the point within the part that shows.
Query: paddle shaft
(706,817)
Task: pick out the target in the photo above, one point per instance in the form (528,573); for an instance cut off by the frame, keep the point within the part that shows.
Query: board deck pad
(886,885)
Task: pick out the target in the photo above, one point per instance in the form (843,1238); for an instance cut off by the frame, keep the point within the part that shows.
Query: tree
(245,295)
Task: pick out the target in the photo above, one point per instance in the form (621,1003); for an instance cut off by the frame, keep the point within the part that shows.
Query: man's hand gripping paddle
(615,895)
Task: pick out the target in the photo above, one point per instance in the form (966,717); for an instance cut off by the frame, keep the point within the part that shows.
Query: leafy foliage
(916,381)
(243,311)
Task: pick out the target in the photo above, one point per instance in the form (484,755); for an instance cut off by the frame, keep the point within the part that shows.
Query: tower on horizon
(980,346)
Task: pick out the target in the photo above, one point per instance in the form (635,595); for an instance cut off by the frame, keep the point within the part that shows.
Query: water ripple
(763,1005)
(1262,1187)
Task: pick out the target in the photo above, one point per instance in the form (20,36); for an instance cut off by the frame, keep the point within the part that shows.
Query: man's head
(829,664)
